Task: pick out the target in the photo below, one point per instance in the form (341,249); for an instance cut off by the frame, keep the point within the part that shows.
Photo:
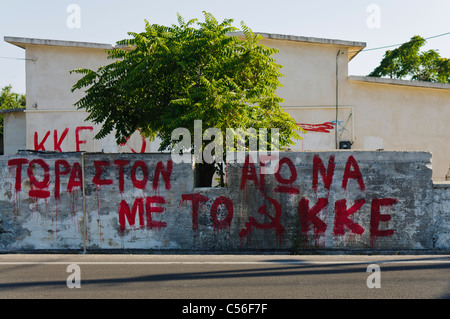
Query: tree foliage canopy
(407,61)
(168,76)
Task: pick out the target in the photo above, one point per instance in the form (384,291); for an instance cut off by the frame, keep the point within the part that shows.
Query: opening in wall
(210,175)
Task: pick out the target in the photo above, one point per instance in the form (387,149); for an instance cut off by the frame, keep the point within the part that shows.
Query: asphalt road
(229,277)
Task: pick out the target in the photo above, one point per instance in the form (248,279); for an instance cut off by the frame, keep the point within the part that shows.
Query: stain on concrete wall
(344,200)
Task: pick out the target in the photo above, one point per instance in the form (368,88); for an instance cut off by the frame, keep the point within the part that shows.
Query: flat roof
(23,42)
(424,84)
(357,46)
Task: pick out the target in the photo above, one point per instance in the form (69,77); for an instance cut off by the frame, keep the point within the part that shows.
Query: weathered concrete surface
(400,178)
(130,180)
(34,213)
(441,214)
(335,201)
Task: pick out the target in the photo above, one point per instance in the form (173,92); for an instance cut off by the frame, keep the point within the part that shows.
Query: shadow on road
(285,267)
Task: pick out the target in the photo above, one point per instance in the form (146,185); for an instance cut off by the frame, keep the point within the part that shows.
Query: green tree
(168,76)
(407,61)
(10,100)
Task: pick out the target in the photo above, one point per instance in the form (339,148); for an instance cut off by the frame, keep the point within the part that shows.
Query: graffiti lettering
(342,220)
(57,142)
(376,217)
(226,222)
(354,173)
(41,186)
(327,174)
(287,186)
(196,199)
(308,215)
(78,139)
(125,213)
(313,212)
(99,169)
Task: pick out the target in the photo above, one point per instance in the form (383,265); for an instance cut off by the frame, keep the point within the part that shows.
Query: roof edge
(424,84)
(23,42)
(357,45)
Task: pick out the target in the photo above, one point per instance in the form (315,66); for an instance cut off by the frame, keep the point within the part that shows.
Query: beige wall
(309,72)
(48,79)
(403,118)
(384,116)
(14,128)
(53,122)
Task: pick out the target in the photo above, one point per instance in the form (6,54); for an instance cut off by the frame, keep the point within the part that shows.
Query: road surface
(228,277)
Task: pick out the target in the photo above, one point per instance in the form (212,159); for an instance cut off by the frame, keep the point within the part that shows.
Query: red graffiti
(342,220)
(354,174)
(146,210)
(78,142)
(326,127)
(75,179)
(57,142)
(327,174)
(273,224)
(139,174)
(308,215)
(121,165)
(42,145)
(226,222)
(39,189)
(143,147)
(58,173)
(249,173)
(140,184)
(130,215)
(376,217)
(165,172)
(286,186)
(152,206)
(196,200)
(150,209)
(39,145)
(99,170)
(18,163)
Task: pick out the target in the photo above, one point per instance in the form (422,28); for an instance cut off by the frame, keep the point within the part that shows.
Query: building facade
(336,110)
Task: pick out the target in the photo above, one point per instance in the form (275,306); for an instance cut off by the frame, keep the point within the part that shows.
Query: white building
(372,113)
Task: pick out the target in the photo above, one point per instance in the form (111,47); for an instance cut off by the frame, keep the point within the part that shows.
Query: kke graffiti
(143,188)
(43,142)
(308,213)
(39,144)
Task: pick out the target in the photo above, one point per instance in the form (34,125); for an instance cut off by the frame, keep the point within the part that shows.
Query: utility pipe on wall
(337,99)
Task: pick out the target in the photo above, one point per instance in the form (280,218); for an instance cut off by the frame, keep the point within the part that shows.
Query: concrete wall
(344,200)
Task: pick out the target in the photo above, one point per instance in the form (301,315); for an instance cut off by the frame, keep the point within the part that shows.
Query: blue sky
(105,21)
